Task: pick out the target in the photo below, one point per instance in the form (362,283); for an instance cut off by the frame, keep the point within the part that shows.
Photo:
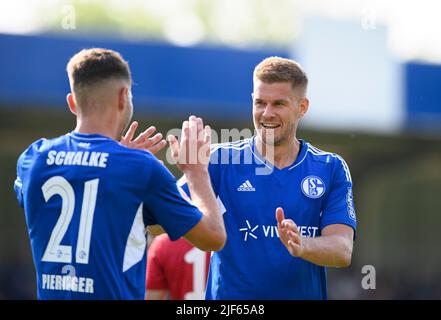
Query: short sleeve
(164,204)
(24,163)
(18,183)
(155,278)
(339,205)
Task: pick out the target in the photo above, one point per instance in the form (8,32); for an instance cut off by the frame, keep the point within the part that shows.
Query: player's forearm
(329,251)
(202,195)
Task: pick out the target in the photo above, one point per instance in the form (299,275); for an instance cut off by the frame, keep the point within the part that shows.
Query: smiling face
(277,109)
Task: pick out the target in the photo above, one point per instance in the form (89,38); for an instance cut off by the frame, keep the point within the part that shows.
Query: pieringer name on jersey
(67,283)
(77,158)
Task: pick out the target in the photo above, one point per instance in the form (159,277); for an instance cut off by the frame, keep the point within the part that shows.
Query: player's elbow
(344,262)
(207,237)
(216,235)
(221,240)
(345,257)
(216,241)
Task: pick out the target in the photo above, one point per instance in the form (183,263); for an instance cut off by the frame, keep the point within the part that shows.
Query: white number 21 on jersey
(55,252)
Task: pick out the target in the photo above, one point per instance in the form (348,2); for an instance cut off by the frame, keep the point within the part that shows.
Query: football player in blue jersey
(88,199)
(287,206)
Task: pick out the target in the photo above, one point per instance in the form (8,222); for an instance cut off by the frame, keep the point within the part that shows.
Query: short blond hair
(277,69)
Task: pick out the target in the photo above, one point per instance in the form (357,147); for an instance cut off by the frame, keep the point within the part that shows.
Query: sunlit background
(413,25)
(375,92)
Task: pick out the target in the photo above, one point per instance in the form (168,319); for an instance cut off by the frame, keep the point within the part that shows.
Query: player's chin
(271,142)
(270,136)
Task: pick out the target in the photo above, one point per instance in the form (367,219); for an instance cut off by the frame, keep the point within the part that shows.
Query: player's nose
(268,112)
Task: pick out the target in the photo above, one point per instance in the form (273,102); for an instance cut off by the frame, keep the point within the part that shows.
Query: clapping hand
(143,140)
(289,234)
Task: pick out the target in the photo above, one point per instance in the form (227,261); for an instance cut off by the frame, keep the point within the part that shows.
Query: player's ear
(304,106)
(123,96)
(71,103)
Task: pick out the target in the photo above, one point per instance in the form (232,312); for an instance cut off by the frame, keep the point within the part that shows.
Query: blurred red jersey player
(176,270)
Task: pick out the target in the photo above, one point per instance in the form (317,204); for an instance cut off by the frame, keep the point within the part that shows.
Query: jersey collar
(85,136)
(300,157)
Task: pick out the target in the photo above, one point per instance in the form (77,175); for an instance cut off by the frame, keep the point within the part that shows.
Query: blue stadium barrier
(210,81)
(423,96)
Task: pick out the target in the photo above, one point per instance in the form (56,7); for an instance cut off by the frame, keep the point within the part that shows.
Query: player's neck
(280,156)
(94,126)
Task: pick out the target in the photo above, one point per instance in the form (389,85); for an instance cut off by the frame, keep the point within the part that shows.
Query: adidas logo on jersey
(246,186)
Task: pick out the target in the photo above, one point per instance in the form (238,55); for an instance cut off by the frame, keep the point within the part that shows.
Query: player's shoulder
(231,146)
(38,146)
(142,155)
(140,165)
(120,154)
(315,154)
(328,160)
(229,150)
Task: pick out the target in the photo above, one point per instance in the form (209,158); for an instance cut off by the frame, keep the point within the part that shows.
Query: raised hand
(289,234)
(143,140)
(192,153)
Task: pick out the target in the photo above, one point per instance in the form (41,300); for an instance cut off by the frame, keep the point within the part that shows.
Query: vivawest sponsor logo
(255,231)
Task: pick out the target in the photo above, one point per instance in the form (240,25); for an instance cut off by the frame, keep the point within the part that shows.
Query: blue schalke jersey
(315,191)
(87,201)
